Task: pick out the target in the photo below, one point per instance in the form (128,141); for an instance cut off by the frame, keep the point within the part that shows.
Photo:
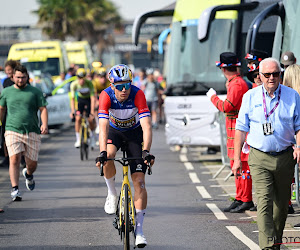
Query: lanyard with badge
(267,127)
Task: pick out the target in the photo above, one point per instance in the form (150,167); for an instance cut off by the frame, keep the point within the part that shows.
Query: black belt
(277,153)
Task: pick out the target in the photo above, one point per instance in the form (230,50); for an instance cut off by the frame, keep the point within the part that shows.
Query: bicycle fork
(117,223)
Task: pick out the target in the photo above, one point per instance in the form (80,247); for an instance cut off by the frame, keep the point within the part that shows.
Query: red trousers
(243,183)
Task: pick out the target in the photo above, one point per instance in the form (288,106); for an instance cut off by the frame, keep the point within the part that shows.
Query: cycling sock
(139,221)
(111,186)
(77,136)
(15,188)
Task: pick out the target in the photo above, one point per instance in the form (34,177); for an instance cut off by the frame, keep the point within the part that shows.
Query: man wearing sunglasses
(270,114)
(253,59)
(125,116)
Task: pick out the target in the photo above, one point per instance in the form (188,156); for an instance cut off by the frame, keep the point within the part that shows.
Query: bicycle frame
(122,195)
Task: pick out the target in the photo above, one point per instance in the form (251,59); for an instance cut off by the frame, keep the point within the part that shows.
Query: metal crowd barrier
(224,156)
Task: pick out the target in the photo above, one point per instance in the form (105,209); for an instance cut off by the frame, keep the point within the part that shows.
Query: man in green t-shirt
(84,89)
(22,131)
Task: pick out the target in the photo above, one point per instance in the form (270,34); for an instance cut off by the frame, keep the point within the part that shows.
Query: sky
(18,12)
(129,9)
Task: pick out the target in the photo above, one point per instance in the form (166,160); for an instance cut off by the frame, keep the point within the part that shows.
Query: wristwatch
(297,146)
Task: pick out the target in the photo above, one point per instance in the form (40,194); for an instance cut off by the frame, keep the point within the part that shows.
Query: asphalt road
(65,211)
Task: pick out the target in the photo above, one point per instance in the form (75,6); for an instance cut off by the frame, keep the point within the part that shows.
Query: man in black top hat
(236,88)
(254,58)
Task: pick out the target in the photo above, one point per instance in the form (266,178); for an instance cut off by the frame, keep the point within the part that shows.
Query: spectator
(9,67)
(22,102)
(152,89)
(288,58)
(61,78)
(139,79)
(71,72)
(237,87)
(270,113)
(253,60)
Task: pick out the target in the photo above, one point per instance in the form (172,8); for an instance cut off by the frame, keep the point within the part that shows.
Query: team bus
(43,56)
(80,53)
(191,119)
(287,31)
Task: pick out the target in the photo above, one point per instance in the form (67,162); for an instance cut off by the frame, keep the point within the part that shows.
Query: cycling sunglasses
(268,75)
(120,87)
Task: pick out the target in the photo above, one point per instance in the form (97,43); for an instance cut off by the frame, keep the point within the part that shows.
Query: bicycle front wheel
(82,146)
(126,222)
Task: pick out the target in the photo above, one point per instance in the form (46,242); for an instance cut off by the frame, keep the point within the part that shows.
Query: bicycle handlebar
(124,162)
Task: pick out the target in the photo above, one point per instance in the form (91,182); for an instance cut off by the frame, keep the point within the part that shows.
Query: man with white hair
(270,114)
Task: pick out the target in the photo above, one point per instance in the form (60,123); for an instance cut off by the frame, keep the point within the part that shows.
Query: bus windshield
(291,36)
(50,66)
(191,66)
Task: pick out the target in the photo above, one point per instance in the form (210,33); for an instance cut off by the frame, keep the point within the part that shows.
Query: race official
(270,114)
(237,87)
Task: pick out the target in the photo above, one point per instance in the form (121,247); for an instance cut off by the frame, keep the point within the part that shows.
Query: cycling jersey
(85,91)
(126,115)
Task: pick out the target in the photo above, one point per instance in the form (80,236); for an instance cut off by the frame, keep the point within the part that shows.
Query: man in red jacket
(236,88)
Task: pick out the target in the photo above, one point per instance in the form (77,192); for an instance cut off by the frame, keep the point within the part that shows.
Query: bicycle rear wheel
(126,222)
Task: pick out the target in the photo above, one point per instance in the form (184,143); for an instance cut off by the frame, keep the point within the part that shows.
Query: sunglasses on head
(268,75)
(123,85)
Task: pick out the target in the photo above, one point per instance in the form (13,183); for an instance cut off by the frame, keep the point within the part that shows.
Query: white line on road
(217,212)
(202,191)
(185,161)
(194,177)
(242,237)
(223,185)
(183,158)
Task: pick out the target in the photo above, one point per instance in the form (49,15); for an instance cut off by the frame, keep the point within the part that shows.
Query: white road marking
(183,158)
(185,161)
(194,177)
(206,172)
(285,230)
(223,185)
(242,237)
(202,191)
(217,212)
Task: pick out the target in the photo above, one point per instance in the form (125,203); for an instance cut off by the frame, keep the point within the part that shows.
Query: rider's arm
(147,132)
(103,115)
(72,90)
(103,134)
(92,96)
(145,119)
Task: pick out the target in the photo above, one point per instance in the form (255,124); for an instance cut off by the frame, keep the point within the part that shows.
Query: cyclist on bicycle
(124,116)
(84,90)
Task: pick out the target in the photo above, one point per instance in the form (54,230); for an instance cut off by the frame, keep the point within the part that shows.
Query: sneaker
(291,209)
(16,195)
(77,144)
(140,241)
(30,183)
(110,206)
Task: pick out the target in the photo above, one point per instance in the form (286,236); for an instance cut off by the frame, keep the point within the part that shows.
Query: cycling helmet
(101,71)
(81,72)
(119,73)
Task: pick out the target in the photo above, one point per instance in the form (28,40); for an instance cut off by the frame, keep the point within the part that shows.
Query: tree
(82,19)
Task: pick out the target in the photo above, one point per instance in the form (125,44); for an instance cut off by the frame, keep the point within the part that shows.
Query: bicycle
(125,214)
(84,137)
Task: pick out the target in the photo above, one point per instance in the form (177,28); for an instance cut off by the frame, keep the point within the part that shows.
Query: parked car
(58,104)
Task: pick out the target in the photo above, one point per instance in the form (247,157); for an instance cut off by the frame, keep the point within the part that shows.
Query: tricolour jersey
(126,115)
